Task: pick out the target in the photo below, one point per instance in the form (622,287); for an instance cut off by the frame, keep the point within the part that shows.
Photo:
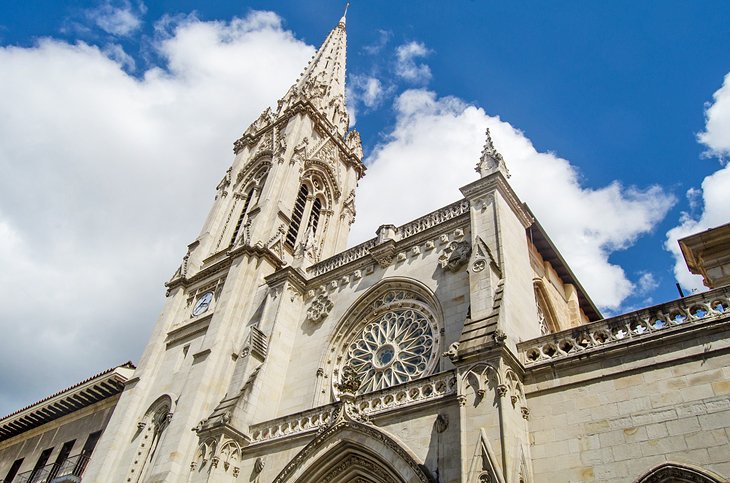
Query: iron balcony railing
(73,466)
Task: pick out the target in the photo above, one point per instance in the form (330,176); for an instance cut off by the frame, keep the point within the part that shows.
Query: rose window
(397,347)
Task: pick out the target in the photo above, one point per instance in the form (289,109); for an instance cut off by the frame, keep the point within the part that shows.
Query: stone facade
(458,347)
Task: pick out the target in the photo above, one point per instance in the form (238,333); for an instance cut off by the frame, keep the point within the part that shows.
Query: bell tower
(286,202)
(291,187)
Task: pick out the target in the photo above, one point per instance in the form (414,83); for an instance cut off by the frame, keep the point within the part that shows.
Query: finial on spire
(491,161)
(344,15)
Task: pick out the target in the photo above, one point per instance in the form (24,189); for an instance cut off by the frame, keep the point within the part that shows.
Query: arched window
(244,210)
(296,216)
(149,435)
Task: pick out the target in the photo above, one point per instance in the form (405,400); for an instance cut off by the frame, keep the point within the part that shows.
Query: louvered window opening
(296,216)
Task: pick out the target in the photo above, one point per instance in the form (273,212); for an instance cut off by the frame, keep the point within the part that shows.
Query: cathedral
(456,348)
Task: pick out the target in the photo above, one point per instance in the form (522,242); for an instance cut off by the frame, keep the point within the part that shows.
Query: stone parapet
(407,230)
(374,403)
(653,322)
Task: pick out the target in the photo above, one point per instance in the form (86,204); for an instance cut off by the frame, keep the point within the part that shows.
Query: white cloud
(363,90)
(432,152)
(715,192)
(83,261)
(118,18)
(717,129)
(646,283)
(406,66)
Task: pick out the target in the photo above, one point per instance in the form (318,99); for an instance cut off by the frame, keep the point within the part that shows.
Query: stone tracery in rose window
(396,344)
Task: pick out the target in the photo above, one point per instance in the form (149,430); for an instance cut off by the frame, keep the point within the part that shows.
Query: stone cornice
(497,182)
(224,263)
(288,274)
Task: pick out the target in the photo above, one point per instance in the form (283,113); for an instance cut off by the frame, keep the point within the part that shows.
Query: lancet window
(310,205)
(249,189)
(296,217)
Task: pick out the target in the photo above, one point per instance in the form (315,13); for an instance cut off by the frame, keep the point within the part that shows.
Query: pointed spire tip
(343,20)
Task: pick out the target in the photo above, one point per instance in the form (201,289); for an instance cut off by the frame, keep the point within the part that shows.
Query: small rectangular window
(13,471)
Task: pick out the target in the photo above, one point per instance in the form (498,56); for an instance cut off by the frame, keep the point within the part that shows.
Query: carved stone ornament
(499,336)
(221,191)
(300,151)
(485,477)
(319,308)
(349,381)
(453,352)
(502,390)
(455,255)
(525,411)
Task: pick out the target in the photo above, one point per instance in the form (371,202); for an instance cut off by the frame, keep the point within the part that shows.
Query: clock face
(203,303)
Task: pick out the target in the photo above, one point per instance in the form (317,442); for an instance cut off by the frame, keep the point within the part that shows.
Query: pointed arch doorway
(354,452)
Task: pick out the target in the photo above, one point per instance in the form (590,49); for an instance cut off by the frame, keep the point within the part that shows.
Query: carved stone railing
(303,422)
(416,392)
(409,394)
(643,324)
(404,231)
(355,253)
(432,219)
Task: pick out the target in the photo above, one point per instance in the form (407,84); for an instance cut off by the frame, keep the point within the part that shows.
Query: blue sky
(118,118)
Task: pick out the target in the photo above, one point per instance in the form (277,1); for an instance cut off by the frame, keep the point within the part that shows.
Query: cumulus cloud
(714,196)
(366,91)
(118,18)
(432,152)
(83,261)
(406,66)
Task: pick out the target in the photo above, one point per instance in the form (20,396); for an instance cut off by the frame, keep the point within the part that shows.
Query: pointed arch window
(297,214)
(244,211)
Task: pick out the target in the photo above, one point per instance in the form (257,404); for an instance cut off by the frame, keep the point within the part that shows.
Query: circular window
(398,346)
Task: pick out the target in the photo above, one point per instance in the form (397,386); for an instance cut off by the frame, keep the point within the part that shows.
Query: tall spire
(323,80)
(491,161)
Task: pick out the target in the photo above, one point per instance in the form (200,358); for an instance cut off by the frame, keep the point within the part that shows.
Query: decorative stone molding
(418,473)
(319,308)
(644,324)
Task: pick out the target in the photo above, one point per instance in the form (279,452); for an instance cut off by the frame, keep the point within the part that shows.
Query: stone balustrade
(355,253)
(412,393)
(642,324)
(415,392)
(404,231)
(432,219)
